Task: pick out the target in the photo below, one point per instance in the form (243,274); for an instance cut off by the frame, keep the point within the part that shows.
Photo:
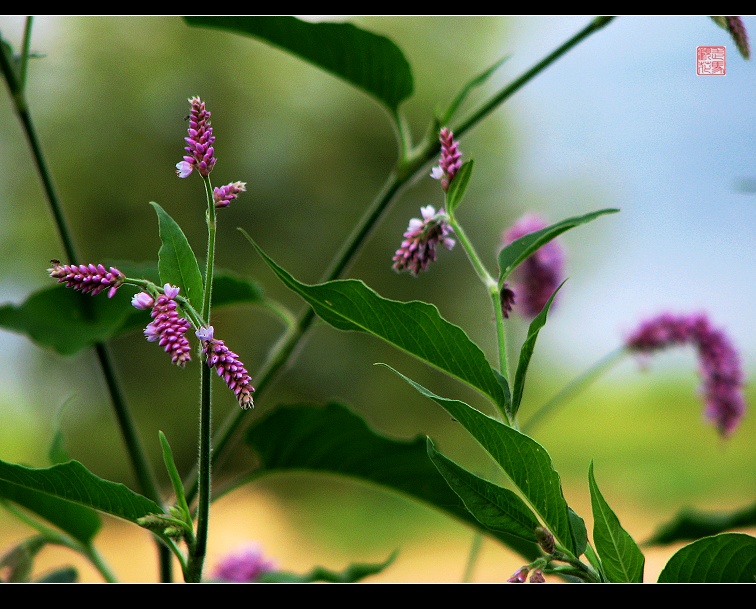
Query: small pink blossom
(519,576)
(142,301)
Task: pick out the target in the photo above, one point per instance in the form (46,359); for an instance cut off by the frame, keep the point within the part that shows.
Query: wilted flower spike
(420,239)
(451,159)
(223,195)
(244,566)
(199,140)
(228,366)
(167,327)
(88,278)
(719,363)
(536,279)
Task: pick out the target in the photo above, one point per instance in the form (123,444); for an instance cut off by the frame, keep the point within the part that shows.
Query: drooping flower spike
(228,366)
(451,159)
(87,278)
(167,327)
(536,279)
(199,140)
(418,249)
(719,363)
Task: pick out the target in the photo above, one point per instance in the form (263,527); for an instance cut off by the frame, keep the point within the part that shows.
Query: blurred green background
(109,95)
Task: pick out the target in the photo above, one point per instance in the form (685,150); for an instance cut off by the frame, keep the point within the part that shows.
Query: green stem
(407,169)
(204,466)
(472,557)
(514,86)
(573,388)
(142,470)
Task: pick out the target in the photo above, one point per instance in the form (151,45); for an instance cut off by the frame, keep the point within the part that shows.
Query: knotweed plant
(521,505)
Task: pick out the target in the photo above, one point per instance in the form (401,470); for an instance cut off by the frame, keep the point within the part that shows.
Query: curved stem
(141,465)
(407,168)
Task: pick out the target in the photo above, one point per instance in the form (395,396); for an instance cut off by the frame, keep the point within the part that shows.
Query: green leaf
(526,463)
(176,260)
(526,352)
(331,439)
(443,119)
(65,494)
(368,61)
(64,575)
(496,508)
(621,559)
(353,573)
(693,524)
(458,187)
(521,249)
(414,327)
(725,558)
(54,317)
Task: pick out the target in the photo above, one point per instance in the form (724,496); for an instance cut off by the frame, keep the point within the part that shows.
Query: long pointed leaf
(414,327)
(495,507)
(621,559)
(526,463)
(526,352)
(693,524)
(332,439)
(368,61)
(176,260)
(72,482)
(520,249)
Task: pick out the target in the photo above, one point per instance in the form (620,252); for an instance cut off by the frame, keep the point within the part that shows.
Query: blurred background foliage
(109,95)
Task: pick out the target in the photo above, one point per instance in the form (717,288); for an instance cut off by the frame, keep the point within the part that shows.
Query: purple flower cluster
(87,278)
(228,366)
(167,327)
(244,566)
(451,159)
(223,195)
(420,239)
(536,279)
(719,363)
(200,138)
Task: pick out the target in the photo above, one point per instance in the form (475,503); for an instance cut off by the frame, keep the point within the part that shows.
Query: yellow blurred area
(250,516)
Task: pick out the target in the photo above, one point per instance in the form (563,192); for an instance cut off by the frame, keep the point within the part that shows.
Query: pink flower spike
(228,366)
(199,140)
(719,363)
(87,278)
(168,328)
(451,159)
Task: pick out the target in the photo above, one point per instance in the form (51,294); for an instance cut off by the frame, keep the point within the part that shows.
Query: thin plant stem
(204,466)
(574,387)
(142,469)
(472,557)
(407,169)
